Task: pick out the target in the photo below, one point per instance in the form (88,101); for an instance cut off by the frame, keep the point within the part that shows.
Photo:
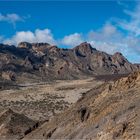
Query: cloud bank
(28,36)
(72,40)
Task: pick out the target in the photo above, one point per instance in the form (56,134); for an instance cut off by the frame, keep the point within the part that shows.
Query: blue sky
(109,26)
(61,17)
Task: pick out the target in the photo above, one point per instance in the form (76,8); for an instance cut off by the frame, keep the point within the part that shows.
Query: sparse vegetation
(44,100)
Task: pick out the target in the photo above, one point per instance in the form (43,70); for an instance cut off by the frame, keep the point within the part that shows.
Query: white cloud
(11,18)
(133,24)
(107,39)
(107,33)
(72,40)
(44,36)
(36,36)
(105,46)
(121,3)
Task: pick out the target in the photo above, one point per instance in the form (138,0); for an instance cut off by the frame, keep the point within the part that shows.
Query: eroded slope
(110,111)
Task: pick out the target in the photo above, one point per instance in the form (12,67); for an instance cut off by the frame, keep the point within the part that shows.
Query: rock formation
(14,125)
(110,111)
(41,61)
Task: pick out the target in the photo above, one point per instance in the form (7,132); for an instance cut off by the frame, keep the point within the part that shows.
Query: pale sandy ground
(41,100)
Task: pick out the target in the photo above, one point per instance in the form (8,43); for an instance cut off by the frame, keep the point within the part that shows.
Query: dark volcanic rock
(84,113)
(25,45)
(42,60)
(84,49)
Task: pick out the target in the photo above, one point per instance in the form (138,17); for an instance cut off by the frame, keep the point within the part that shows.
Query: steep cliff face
(43,61)
(110,111)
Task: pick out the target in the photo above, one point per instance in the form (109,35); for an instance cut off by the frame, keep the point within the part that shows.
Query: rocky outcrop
(14,125)
(84,49)
(108,112)
(83,113)
(44,61)
(25,45)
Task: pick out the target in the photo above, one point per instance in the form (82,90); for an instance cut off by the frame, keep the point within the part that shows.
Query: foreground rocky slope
(35,62)
(39,102)
(14,125)
(109,111)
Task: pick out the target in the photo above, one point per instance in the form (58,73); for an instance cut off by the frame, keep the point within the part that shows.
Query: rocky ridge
(109,111)
(41,61)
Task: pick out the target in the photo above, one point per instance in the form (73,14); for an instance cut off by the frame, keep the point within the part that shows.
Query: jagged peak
(85,45)
(84,49)
(26,45)
(118,53)
(41,44)
(119,57)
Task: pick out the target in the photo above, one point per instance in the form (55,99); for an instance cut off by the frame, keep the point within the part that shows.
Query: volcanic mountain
(42,61)
(109,110)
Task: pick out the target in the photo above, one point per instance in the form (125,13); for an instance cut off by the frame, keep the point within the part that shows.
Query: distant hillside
(42,61)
